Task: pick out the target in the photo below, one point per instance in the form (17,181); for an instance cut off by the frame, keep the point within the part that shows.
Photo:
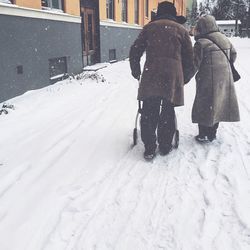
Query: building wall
(181,7)
(72,7)
(115,34)
(116,37)
(102,7)
(228,27)
(36,4)
(29,38)
(228,30)
(118,3)
(143,19)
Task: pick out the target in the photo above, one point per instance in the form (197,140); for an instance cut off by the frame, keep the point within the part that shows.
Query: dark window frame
(136,11)
(124,5)
(110,9)
(147,8)
(48,5)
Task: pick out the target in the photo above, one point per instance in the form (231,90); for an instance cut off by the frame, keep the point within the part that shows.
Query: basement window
(112,55)
(55,5)
(57,68)
(19,69)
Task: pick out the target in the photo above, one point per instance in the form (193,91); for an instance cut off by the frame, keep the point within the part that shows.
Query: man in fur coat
(168,66)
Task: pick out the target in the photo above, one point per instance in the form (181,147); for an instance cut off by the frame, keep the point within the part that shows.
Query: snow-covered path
(69,178)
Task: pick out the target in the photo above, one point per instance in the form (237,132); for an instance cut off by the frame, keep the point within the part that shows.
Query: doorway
(90,33)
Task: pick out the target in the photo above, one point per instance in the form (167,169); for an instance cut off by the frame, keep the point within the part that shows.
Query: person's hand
(136,74)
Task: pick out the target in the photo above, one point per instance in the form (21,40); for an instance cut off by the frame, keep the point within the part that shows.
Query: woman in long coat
(215,99)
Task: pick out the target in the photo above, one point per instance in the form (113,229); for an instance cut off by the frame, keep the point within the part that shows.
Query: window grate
(19,69)
(112,54)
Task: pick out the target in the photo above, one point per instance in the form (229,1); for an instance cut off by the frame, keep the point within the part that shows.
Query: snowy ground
(70,180)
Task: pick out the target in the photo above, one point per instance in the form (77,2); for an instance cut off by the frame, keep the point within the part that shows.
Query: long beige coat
(215,99)
(169,60)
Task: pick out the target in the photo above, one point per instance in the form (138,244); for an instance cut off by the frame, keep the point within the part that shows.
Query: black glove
(136,74)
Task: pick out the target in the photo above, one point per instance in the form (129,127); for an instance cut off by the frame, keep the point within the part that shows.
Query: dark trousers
(210,132)
(159,114)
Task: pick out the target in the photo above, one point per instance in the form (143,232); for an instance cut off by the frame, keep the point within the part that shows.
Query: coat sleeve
(187,56)
(198,55)
(136,51)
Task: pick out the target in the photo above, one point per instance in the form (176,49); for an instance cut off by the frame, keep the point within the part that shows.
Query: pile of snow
(69,178)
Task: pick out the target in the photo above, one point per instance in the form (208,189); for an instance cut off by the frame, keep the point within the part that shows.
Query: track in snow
(70,180)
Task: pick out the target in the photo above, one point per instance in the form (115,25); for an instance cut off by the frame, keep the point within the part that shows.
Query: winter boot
(212,132)
(164,150)
(149,154)
(201,138)
(211,138)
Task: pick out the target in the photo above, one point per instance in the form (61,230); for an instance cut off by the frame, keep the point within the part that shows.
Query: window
(136,11)
(146,8)
(125,10)
(52,4)
(57,67)
(110,9)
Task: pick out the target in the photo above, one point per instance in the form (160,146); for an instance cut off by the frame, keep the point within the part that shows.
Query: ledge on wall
(112,23)
(95,67)
(53,10)
(113,61)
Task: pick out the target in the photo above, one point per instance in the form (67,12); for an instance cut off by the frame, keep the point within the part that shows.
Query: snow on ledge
(57,76)
(112,23)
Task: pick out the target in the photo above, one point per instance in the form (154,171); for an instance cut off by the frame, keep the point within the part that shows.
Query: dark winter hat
(167,8)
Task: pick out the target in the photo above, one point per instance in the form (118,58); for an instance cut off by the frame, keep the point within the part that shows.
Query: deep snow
(69,178)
